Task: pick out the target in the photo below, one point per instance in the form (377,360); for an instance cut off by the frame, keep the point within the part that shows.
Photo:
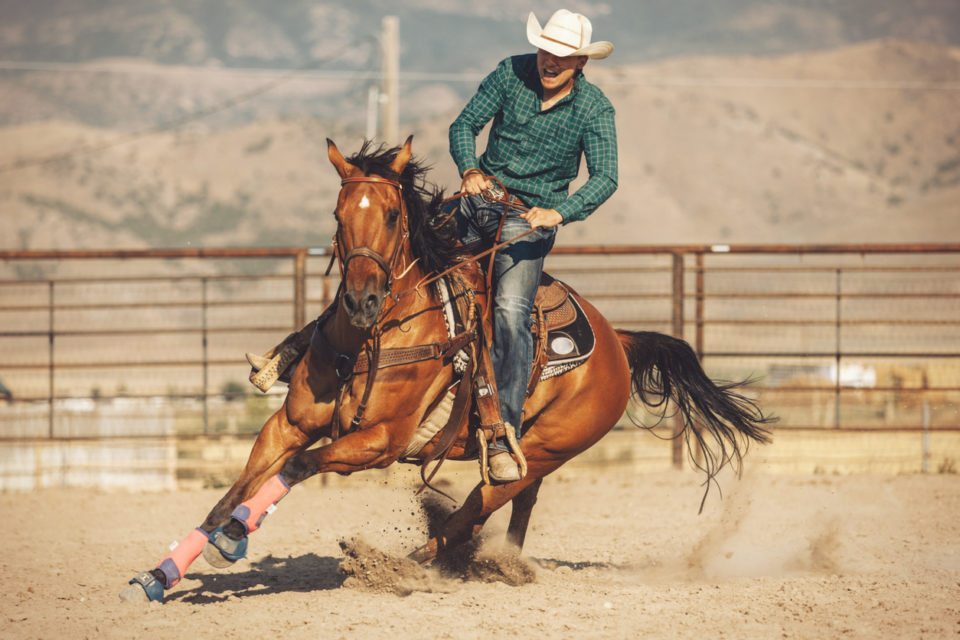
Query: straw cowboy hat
(566,34)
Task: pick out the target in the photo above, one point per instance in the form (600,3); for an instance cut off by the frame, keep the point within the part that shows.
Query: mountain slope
(859,144)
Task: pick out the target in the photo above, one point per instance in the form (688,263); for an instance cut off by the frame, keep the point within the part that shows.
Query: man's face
(556,72)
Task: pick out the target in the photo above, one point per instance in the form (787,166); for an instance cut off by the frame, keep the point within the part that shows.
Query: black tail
(721,421)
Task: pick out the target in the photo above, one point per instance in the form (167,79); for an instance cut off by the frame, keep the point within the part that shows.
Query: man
(546,115)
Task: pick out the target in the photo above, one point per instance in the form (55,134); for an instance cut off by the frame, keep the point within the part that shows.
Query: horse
(380,362)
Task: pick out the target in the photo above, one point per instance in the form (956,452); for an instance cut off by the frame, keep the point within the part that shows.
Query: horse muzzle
(363,307)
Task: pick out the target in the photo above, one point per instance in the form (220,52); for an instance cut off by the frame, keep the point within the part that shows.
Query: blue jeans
(516,275)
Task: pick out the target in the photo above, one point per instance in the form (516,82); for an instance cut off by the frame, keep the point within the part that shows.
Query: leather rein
(346,365)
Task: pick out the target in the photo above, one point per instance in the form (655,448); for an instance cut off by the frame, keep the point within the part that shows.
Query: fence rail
(840,338)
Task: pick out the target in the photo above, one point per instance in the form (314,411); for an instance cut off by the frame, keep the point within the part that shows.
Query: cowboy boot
(502,467)
(278,363)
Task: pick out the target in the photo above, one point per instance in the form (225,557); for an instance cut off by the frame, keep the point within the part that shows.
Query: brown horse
(380,363)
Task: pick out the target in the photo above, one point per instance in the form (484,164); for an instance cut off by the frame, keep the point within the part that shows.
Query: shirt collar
(578,81)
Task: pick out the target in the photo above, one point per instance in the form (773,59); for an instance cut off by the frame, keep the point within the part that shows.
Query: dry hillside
(859,144)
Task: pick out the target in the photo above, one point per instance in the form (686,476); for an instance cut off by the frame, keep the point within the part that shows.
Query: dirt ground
(608,555)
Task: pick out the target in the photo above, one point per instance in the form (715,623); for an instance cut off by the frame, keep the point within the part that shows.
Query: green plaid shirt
(536,154)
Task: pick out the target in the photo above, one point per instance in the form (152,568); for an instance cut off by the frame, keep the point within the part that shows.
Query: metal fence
(109,357)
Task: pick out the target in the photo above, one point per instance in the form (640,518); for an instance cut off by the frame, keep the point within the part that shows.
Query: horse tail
(715,417)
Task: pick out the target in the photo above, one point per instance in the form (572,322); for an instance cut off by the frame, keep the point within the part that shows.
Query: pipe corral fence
(126,368)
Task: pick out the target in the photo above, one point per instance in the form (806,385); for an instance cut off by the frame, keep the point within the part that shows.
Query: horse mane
(435,245)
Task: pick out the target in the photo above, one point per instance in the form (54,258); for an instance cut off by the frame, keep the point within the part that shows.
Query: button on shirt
(536,153)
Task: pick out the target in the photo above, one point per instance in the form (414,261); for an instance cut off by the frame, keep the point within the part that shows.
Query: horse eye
(392,216)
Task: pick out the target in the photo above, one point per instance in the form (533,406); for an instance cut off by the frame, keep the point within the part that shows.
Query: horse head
(372,232)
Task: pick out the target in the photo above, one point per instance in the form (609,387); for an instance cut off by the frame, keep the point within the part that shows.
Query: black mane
(436,247)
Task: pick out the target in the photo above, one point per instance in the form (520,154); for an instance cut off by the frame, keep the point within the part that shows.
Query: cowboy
(546,116)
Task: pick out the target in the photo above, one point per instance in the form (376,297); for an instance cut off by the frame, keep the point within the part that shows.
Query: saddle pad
(569,345)
(570,338)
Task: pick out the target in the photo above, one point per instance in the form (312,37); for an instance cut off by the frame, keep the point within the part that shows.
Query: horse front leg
(370,448)
(354,452)
(222,536)
(259,487)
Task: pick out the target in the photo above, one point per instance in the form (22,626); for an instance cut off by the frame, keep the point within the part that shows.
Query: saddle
(564,339)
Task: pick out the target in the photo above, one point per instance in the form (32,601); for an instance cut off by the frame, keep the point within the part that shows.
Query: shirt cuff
(569,211)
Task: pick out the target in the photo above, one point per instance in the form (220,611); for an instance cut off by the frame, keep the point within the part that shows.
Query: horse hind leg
(467,521)
(523,504)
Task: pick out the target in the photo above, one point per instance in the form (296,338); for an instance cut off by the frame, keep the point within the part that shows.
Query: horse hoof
(214,558)
(426,554)
(144,587)
(222,550)
(134,593)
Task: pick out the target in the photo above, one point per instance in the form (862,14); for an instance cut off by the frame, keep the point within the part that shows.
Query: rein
(492,195)
(346,365)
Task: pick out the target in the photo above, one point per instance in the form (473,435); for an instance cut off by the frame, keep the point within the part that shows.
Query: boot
(279,363)
(264,372)
(503,469)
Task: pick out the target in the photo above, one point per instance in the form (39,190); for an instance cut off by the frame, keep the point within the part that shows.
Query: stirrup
(267,372)
(515,450)
(484,457)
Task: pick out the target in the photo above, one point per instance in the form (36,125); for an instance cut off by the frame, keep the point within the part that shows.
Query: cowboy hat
(566,34)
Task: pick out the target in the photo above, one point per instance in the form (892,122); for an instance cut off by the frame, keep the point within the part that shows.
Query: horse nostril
(371,304)
(349,302)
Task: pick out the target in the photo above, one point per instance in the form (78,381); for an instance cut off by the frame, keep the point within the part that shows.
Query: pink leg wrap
(182,555)
(252,512)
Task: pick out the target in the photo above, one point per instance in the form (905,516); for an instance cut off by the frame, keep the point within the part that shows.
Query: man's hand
(473,183)
(538,217)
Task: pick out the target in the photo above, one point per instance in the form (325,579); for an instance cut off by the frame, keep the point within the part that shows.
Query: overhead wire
(175,123)
(311,70)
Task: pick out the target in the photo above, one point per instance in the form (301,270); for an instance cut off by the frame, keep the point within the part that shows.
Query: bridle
(388,268)
(344,364)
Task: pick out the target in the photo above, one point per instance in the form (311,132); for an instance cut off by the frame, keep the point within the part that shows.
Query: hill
(857,144)
(470,35)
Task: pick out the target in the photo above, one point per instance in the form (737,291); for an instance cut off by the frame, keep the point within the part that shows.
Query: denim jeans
(516,275)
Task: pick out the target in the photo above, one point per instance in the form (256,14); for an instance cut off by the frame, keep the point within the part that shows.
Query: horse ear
(403,156)
(337,159)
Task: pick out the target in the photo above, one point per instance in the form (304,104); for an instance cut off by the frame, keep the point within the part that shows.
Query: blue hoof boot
(222,550)
(149,586)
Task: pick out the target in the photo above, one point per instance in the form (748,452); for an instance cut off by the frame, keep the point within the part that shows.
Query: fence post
(699,309)
(299,289)
(678,294)
(206,355)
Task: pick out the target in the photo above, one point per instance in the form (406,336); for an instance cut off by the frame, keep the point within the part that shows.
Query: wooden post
(390,113)
(206,355)
(299,290)
(699,310)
